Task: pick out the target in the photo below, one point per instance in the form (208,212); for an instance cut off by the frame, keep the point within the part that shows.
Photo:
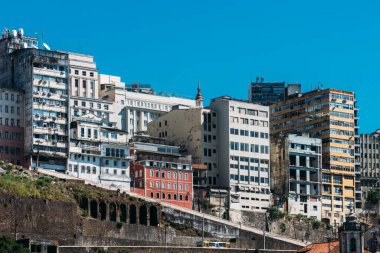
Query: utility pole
(203,228)
(264,239)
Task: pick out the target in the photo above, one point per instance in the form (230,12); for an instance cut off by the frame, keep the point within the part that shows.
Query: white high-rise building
(243,152)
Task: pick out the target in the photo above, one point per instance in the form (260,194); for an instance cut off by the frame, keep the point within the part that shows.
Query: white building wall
(242,167)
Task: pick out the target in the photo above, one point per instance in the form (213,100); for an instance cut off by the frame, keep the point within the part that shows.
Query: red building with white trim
(158,171)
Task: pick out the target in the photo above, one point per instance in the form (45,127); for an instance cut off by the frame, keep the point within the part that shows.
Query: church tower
(351,238)
(199,98)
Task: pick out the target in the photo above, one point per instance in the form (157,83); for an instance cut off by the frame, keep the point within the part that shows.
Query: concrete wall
(161,250)
(246,239)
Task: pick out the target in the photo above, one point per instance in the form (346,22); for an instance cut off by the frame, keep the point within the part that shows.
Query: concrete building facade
(370,162)
(135,106)
(296,172)
(42,76)
(243,152)
(198,137)
(99,153)
(331,116)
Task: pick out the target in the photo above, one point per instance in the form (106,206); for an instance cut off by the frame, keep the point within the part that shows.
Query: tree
(8,245)
(373,197)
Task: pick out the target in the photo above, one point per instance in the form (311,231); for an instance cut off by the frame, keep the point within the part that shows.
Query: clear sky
(224,44)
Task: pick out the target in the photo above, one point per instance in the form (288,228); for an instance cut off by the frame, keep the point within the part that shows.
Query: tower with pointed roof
(199,98)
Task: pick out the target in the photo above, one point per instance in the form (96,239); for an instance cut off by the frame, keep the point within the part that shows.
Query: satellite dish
(14,33)
(25,45)
(46,46)
(20,32)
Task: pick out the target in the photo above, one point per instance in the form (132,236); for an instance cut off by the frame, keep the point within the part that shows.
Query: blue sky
(224,44)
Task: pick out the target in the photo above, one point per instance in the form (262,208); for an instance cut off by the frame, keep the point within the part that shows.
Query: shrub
(123,251)
(316,224)
(276,214)
(43,181)
(373,197)
(84,213)
(8,245)
(119,224)
(301,217)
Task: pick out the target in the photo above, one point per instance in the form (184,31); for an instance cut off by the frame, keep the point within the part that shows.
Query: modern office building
(12,127)
(296,172)
(231,137)
(330,115)
(43,77)
(370,162)
(159,171)
(268,93)
(243,152)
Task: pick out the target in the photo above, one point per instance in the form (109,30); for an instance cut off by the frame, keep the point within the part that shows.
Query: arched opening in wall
(353,245)
(83,203)
(153,216)
(143,215)
(103,210)
(123,213)
(132,214)
(94,209)
(112,212)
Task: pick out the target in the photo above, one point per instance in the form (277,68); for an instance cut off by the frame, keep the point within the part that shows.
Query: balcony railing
(181,160)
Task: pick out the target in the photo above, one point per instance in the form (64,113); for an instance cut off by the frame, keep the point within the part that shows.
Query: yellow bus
(214,244)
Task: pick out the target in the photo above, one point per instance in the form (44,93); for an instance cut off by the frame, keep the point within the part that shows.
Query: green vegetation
(316,224)
(301,217)
(123,251)
(276,214)
(43,188)
(373,197)
(119,225)
(8,245)
(84,213)
(89,192)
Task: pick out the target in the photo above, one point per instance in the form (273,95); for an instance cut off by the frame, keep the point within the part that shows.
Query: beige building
(330,115)
(194,130)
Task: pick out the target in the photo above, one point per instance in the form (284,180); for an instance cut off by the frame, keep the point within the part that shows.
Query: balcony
(181,160)
(49,72)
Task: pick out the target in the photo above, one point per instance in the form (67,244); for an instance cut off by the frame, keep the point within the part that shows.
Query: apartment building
(42,76)
(243,152)
(330,115)
(370,162)
(159,171)
(137,105)
(296,172)
(12,127)
(98,153)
